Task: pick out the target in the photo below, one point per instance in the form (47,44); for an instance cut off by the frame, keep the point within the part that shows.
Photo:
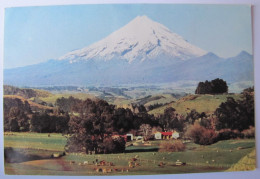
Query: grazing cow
(137,164)
(130,164)
(133,159)
(103,162)
(161,164)
(110,164)
(99,170)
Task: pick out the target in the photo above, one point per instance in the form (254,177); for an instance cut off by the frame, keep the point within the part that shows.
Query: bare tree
(146,130)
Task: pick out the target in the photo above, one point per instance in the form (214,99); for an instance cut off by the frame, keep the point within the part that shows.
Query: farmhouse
(175,135)
(167,135)
(158,135)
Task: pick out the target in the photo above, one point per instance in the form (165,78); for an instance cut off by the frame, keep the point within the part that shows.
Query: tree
(91,130)
(66,104)
(16,113)
(146,131)
(123,120)
(171,120)
(219,86)
(192,116)
(204,88)
(45,123)
(111,145)
(236,114)
(40,123)
(216,86)
(13,125)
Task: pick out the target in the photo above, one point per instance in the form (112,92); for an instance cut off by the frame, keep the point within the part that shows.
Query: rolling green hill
(32,104)
(53,97)
(201,103)
(25,92)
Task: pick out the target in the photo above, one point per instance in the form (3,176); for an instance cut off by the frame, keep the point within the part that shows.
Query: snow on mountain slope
(140,39)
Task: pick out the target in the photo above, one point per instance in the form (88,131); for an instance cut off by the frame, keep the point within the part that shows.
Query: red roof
(166,133)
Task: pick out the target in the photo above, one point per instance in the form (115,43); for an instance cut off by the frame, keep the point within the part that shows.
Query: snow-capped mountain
(141,52)
(140,39)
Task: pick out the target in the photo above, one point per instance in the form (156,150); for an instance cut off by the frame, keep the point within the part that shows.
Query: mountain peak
(244,53)
(140,39)
(211,55)
(142,18)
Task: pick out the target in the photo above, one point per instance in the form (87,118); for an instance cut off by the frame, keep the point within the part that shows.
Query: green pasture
(53,97)
(213,158)
(201,103)
(55,142)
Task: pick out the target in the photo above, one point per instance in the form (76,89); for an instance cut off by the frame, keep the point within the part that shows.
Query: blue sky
(37,34)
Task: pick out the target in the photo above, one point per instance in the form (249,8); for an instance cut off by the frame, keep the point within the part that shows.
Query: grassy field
(53,97)
(213,158)
(201,103)
(55,142)
(248,162)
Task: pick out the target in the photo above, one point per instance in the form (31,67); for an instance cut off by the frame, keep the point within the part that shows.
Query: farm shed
(175,135)
(167,135)
(158,135)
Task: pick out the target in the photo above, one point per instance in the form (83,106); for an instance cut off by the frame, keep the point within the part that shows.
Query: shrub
(172,146)
(249,133)
(201,135)
(225,134)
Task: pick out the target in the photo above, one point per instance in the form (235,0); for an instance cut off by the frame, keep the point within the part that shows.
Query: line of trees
(18,117)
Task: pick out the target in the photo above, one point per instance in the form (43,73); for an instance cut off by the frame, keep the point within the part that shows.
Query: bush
(172,146)
(249,133)
(201,135)
(226,134)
